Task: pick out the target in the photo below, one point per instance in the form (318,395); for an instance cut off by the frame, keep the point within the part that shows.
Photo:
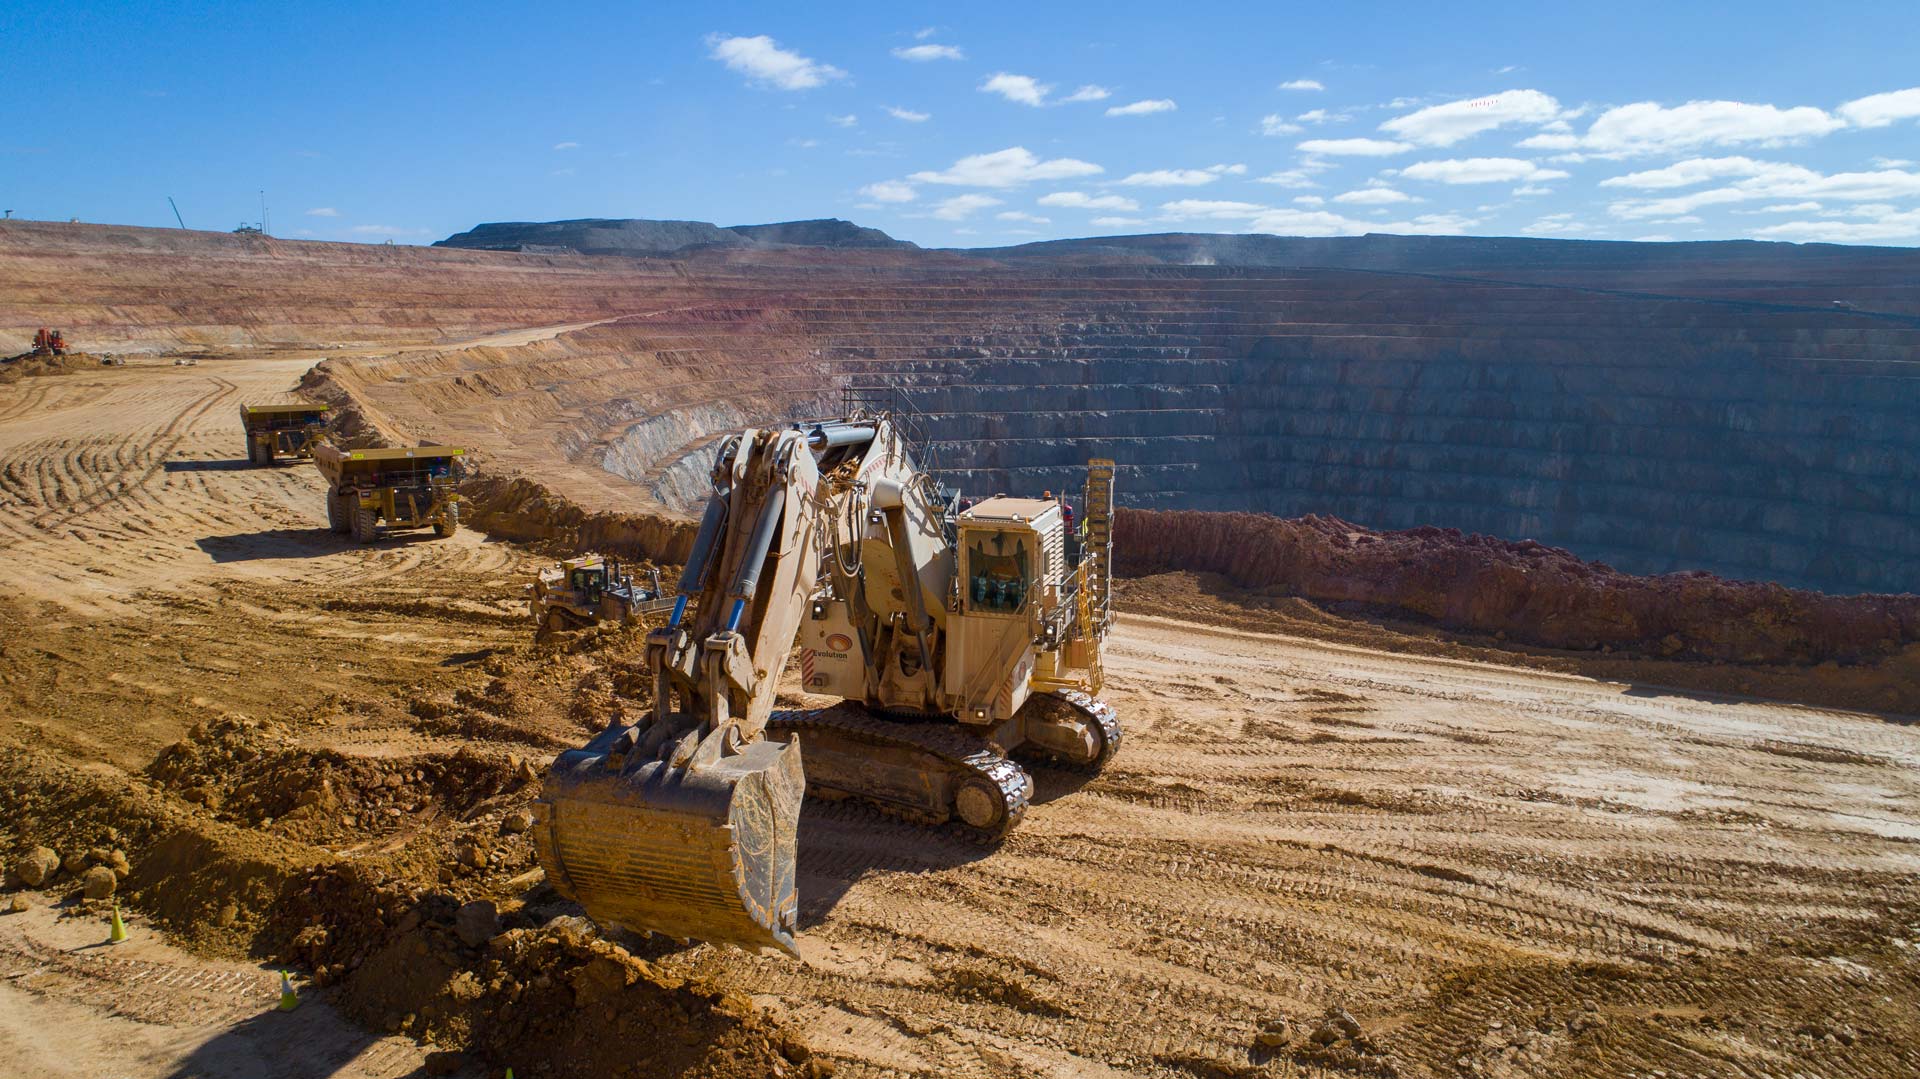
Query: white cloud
(1481,170)
(1117,222)
(1879,110)
(1444,125)
(960,207)
(848,120)
(1684,219)
(1021,215)
(1526,190)
(1354,147)
(1784,208)
(566,146)
(1302,84)
(1553,223)
(1212,208)
(890,191)
(1374,196)
(908,115)
(925,32)
(1144,108)
(1088,92)
(1310,200)
(1183,177)
(1275,124)
(761,60)
(1320,116)
(1781,181)
(1019,89)
(1080,200)
(923,53)
(1433,224)
(1895,226)
(323,211)
(1289,178)
(1893,163)
(1647,127)
(1692,171)
(1007,168)
(1253,217)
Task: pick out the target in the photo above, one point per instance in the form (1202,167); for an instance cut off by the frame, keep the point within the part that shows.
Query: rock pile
(1529,592)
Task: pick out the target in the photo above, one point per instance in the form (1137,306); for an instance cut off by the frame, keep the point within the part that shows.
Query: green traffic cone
(116,929)
(289,1000)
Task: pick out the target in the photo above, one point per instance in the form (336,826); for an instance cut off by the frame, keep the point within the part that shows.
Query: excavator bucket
(702,851)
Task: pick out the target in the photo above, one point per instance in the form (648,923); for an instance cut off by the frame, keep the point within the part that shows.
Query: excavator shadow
(845,843)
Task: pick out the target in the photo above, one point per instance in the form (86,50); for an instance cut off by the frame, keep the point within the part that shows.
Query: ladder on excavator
(1093,602)
(1097,546)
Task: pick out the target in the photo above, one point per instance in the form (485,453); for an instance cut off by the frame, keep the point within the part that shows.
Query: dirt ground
(1326,847)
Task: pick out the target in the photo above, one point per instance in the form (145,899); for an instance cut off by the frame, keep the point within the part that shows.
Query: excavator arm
(685,823)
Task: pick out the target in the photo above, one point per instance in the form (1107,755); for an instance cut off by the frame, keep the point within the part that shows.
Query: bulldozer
(401,487)
(961,642)
(581,592)
(282,431)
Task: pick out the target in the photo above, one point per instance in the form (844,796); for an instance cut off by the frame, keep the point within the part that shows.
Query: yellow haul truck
(405,487)
(282,430)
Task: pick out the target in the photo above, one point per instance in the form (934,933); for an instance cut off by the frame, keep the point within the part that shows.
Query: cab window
(999,571)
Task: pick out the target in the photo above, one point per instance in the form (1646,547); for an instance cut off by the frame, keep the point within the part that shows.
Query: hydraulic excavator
(961,641)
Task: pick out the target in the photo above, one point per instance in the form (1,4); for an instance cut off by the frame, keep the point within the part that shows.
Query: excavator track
(928,772)
(1099,714)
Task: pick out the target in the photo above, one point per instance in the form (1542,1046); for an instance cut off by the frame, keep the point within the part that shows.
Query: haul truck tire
(448,524)
(338,518)
(366,525)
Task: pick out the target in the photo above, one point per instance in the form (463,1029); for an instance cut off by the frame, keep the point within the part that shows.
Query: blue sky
(977,124)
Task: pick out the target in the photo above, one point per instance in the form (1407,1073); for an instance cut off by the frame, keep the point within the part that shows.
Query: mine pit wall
(1797,471)
(1753,441)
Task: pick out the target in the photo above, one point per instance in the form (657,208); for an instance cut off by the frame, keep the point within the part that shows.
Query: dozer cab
(282,430)
(961,644)
(402,487)
(584,591)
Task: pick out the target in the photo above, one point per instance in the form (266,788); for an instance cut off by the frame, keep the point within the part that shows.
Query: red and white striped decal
(806,666)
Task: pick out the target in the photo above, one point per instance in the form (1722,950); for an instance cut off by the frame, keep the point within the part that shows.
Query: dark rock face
(1757,441)
(635,236)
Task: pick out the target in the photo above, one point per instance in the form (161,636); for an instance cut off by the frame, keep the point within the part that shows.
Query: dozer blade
(705,853)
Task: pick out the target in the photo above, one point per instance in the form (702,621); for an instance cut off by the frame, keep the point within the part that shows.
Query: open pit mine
(1514,640)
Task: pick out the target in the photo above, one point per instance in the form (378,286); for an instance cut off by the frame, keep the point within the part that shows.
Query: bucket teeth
(705,853)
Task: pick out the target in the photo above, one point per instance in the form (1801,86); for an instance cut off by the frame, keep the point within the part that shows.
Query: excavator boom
(685,823)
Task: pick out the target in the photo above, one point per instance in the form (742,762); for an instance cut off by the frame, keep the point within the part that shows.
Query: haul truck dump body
(282,430)
(402,487)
